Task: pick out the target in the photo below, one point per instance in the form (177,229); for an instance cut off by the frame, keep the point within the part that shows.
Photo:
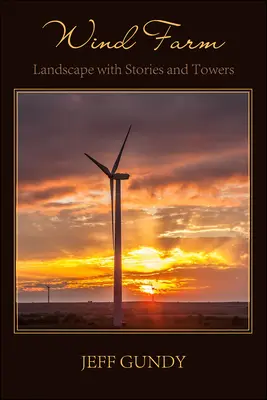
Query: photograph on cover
(132,211)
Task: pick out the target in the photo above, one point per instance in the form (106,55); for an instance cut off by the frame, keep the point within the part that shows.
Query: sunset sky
(185,207)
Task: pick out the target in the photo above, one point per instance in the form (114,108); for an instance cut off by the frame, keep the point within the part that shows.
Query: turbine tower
(48,294)
(116,229)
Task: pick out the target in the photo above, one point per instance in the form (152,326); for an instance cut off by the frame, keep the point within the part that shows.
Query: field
(137,315)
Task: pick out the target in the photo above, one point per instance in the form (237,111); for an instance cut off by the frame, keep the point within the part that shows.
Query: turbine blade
(101,166)
(112,209)
(116,164)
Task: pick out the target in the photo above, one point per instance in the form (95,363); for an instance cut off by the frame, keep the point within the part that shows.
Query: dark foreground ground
(137,315)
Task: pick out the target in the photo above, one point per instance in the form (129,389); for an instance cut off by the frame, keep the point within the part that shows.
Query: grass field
(137,315)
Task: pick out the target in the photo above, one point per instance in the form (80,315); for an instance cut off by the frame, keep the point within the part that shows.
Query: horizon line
(132,301)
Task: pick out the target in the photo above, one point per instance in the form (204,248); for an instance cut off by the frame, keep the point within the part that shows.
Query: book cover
(133,200)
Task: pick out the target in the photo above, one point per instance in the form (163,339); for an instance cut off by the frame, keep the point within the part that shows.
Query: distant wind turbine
(152,292)
(116,236)
(48,293)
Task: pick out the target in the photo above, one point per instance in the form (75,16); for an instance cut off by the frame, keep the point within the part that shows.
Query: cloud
(40,196)
(176,280)
(199,173)
(89,232)
(55,130)
(45,237)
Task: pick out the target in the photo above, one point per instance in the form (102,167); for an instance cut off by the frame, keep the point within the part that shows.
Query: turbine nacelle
(121,177)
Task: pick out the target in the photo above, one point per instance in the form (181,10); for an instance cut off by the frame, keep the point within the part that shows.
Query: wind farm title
(162,33)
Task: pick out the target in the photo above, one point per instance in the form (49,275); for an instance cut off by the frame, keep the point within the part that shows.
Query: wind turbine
(152,292)
(48,293)
(116,230)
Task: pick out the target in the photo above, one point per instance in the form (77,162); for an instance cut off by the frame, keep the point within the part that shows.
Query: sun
(147,289)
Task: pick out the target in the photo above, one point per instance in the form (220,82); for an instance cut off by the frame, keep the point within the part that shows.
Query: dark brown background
(217,366)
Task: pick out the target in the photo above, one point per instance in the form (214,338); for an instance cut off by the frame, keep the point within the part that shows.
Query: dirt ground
(137,315)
